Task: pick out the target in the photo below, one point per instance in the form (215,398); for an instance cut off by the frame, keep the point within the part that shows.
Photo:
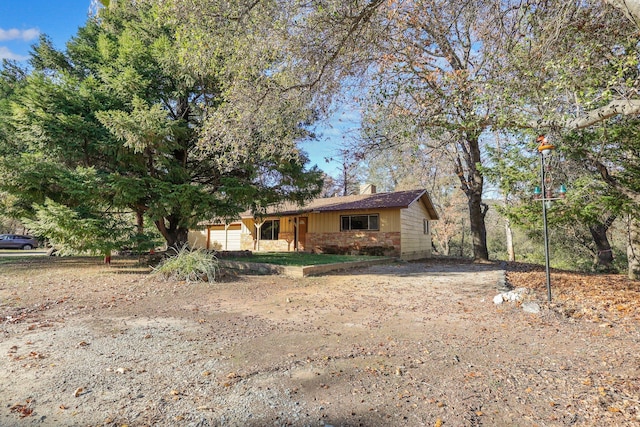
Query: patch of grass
(298,259)
(12,260)
(15,257)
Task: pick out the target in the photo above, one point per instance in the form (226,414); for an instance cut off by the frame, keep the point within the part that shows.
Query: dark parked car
(17,241)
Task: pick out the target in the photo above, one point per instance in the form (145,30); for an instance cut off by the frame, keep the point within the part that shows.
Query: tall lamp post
(545,148)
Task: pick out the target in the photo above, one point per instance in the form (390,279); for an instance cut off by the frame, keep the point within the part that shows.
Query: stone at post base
(531,307)
(515,295)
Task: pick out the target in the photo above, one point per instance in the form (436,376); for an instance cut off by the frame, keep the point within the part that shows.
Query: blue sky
(22,22)
(332,135)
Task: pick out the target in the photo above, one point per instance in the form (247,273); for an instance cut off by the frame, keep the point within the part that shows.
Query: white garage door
(224,240)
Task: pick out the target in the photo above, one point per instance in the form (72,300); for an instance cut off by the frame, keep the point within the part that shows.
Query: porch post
(226,236)
(258,227)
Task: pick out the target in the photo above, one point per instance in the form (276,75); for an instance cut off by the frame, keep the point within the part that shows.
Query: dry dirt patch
(401,344)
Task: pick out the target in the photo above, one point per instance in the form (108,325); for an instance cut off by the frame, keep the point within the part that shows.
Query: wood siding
(415,243)
(329,222)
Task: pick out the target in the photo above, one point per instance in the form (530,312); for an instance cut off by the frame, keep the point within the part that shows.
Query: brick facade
(355,242)
(346,242)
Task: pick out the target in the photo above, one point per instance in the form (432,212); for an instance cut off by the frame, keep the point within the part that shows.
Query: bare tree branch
(364,16)
(624,107)
(613,182)
(630,8)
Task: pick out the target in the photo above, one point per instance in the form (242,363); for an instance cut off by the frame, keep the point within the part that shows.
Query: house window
(425,226)
(270,229)
(359,222)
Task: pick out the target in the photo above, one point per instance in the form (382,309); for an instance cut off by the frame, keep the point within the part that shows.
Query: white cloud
(5,53)
(15,34)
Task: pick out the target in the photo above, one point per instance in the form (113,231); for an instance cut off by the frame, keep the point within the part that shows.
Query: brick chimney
(367,189)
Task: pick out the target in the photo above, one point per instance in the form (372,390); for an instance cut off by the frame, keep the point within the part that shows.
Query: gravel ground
(415,344)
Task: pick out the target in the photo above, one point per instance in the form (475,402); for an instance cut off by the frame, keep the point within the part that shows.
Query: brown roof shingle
(396,199)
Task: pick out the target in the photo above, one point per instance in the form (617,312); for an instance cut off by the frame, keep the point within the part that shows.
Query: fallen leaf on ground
(23,409)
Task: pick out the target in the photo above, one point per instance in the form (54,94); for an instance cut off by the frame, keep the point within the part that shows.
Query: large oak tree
(571,69)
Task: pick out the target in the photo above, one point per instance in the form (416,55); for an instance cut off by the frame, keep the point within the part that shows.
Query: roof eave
(433,215)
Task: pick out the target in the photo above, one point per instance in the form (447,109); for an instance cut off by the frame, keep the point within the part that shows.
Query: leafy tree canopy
(119,124)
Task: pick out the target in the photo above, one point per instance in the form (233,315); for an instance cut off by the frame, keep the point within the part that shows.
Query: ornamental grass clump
(188,265)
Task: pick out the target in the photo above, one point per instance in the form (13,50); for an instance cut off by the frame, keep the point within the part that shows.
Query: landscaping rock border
(302,271)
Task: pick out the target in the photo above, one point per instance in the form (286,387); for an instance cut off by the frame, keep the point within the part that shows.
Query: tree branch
(626,107)
(630,8)
(613,182)
(363,17)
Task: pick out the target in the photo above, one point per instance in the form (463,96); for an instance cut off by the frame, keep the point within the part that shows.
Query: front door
(301,233)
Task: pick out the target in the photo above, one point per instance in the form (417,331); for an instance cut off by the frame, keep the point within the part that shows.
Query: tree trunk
(140,221)
(633,248)
(467,167)
(477,212)
(446,248)
(509,233)
(178,238)
(462,239)
(604,255)
(345,180)
(175,236)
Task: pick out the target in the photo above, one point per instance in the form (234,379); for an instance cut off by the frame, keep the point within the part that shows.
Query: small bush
(189,265)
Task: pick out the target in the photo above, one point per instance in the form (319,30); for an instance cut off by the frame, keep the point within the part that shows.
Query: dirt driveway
(397,345)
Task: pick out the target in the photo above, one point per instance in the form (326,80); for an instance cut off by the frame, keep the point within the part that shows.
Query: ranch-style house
(391,224)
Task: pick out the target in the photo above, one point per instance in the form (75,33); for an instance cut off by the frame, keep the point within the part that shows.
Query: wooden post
(226,235)
(258,227)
